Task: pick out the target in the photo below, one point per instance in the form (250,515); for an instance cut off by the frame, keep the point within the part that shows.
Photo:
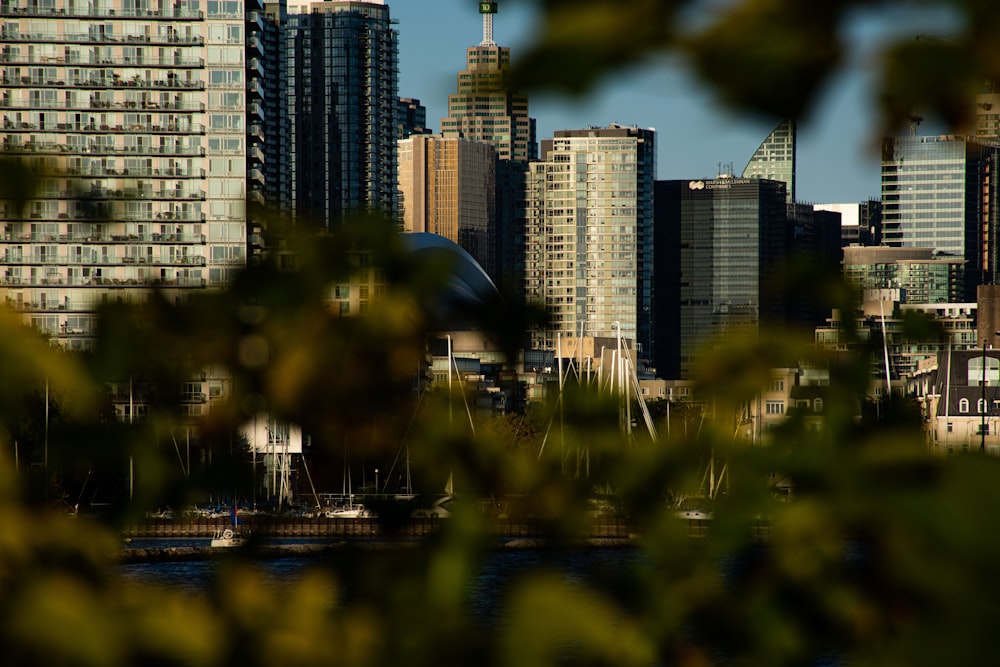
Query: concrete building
(141,116)
(342,100)
(589,235)
(447,186)
(960,396)
(882,319)
(941,192)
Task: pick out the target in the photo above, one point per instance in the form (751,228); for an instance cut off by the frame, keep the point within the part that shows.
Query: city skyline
(838,154)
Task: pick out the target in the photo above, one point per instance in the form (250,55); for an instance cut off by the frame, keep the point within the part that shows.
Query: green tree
(883,556)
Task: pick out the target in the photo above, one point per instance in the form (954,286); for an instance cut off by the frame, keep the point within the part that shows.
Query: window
(776,385)
(984,368)
(963,406)
(775,407)
(818,405)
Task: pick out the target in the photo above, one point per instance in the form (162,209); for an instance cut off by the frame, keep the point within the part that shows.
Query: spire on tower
(487,9)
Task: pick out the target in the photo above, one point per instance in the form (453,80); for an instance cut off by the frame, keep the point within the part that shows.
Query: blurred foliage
(883,555)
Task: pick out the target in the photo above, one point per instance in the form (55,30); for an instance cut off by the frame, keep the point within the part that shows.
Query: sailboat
(231,536)
(352,510)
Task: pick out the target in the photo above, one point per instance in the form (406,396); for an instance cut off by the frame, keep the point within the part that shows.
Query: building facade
(941,192)
(342,104)
(588,257)
(412,118)
(447,187)
(774,159)
(484,109)
(919,274)
(720,247)
(138,114)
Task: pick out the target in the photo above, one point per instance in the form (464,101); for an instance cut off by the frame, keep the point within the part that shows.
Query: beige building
(138,113)
(447,187)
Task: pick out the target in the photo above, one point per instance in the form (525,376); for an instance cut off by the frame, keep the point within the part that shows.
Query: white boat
(230,536)
(352,511)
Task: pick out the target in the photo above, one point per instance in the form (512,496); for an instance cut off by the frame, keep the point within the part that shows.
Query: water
(494,577)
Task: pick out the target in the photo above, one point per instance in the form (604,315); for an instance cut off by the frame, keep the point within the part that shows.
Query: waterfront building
(588,235)
(447,187)
(139,114)
(881,321)
(774,159)
(960,400)
(484,109)
(941,192)
(342,101)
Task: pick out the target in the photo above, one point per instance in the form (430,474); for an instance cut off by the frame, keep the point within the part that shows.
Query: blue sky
(837,150)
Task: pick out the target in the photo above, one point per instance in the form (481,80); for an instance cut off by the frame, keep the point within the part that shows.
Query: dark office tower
(342,103)
(412,118)
(941,192)
(774,159)
(277,156)
(719,251)
(483,109)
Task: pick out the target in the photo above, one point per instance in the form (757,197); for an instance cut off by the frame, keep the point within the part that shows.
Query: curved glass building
(774,159)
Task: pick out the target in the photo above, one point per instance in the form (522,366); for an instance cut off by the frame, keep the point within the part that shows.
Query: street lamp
(376,481)
(982,388)
(982,403)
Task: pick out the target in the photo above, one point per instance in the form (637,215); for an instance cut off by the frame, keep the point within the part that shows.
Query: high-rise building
(589,235)
(412,118)
(774,159)
(446,187)
(720,245)
(483,109)
(917,275)
(941,192)
(269,25)
(861,224)
(342,101)
(139,114)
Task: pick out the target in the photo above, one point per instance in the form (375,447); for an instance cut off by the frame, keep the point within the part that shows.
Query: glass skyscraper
(941,192)
(139,114)
(775,158)
(589,240)
(720,246)
(342,101)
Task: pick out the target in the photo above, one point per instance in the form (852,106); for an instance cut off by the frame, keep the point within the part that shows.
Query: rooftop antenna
(487,9)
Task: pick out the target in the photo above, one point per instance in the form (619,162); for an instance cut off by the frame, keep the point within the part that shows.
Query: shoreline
(130,555)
